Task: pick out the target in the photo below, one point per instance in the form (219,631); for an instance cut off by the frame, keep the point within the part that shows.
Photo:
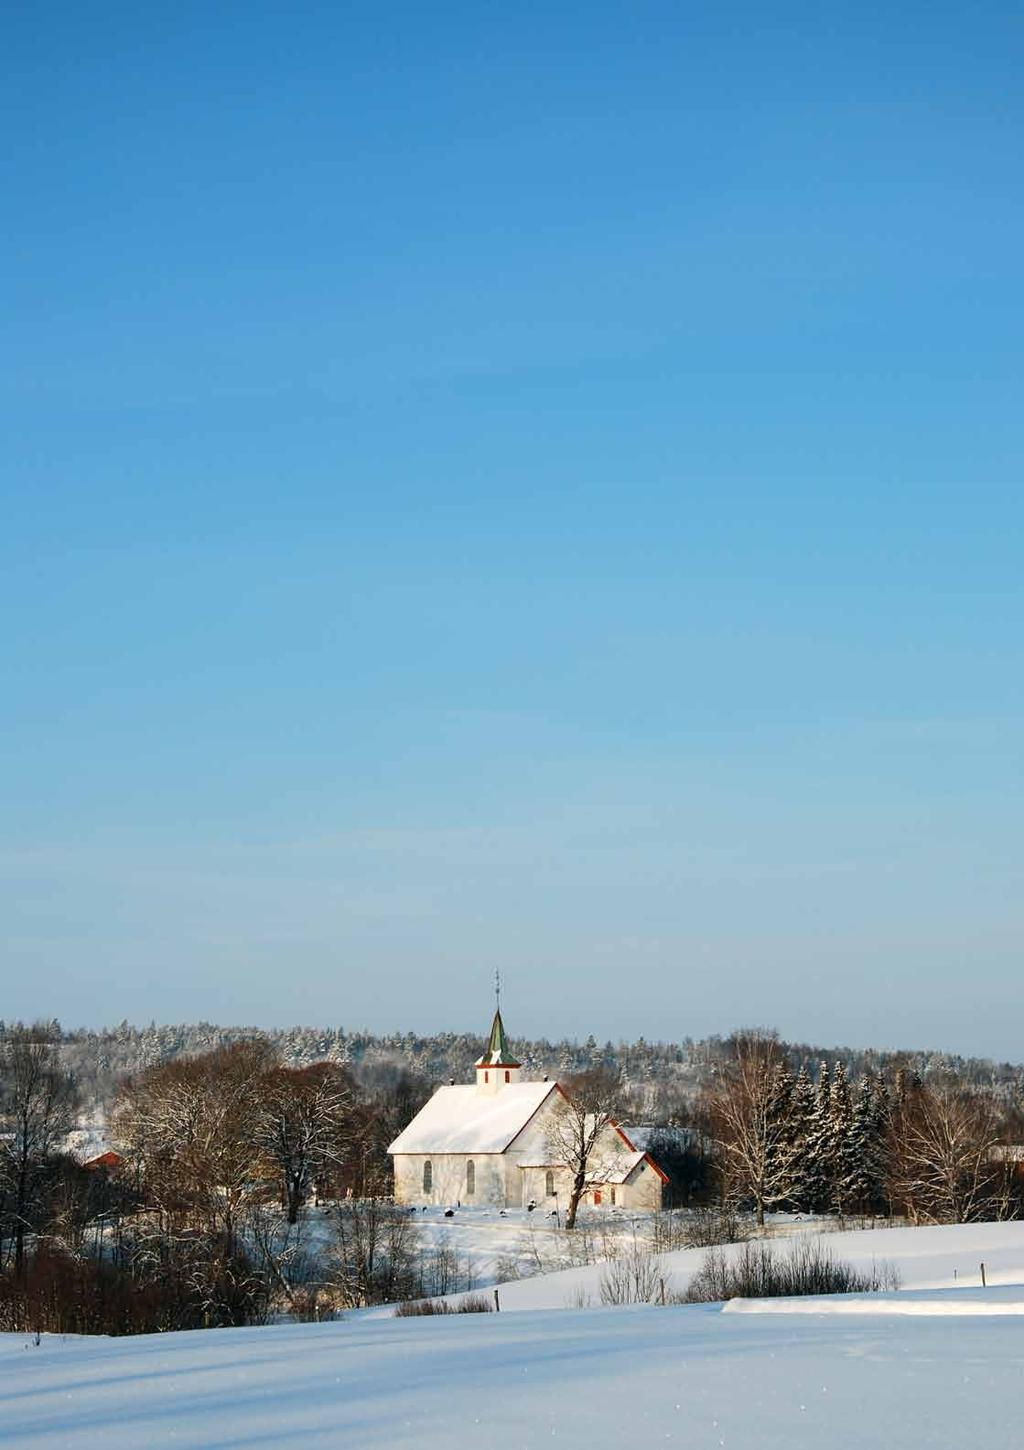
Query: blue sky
(534,488)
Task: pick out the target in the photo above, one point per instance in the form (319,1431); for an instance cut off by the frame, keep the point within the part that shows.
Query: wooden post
(497,1303)
(983,1285)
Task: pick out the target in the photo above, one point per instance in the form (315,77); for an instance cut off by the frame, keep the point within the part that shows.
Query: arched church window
(428,1176)
(549,1183)
(470,1178)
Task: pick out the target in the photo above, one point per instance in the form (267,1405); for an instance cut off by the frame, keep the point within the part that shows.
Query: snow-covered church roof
(464,1120)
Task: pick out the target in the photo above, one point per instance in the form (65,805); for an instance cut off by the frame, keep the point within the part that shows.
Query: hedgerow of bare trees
(198,1224)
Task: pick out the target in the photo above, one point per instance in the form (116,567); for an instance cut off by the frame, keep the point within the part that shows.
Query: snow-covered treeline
(663,1076)
(932,1149)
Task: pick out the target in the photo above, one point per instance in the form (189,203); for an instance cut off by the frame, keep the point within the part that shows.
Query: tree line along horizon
(225,1145)
(100,1057)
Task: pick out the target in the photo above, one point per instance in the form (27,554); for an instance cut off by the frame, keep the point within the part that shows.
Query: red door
(597,1198)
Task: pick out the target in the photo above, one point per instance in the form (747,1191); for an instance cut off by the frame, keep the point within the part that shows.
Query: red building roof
(109,1159)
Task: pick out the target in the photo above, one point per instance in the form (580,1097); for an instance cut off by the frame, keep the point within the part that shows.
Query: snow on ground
(955,1303)
(693,1377)
(491,1241)
(926,1258)
(488,1242)
(931,1365)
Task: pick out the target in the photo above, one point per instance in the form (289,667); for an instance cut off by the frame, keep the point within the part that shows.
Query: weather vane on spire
(497,989)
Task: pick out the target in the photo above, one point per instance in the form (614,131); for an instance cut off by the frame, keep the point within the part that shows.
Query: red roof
(109,1159)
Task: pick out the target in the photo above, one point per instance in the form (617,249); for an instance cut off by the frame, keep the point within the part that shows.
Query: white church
(489,1143)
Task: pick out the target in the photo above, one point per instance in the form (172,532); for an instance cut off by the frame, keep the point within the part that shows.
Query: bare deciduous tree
(582,1116)
(37,1103)
(376,1245)
(192,1128)
(942,1147)
(302,1126)
(742,1112)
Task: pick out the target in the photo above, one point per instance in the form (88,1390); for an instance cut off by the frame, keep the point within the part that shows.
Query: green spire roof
(498,1050)
(497,1047)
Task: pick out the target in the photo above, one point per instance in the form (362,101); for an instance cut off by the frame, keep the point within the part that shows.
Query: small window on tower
(508,1077)
(487,1077)
(470,1178)
(549,1183)
(428,1176)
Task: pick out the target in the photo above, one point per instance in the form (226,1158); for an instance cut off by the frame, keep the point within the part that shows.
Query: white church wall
(535,1186)
(490,1182)
(448,1179)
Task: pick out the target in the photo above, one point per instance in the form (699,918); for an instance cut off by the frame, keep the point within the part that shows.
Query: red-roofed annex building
(488,1143)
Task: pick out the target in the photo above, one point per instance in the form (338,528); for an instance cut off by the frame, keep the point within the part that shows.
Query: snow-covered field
(785,1379)
(489,1244)
(926,1258)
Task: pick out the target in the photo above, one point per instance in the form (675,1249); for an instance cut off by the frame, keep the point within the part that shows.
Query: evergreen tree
(782,1150)
(805,1189)
(818,1148)
(880,1166)
(840,1125)
(857,1187)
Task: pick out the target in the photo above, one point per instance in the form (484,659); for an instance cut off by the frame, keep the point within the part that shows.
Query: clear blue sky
(510,486)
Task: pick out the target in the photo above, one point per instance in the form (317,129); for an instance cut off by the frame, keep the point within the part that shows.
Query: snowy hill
(945,1257)
(685,1376)
(778,1375)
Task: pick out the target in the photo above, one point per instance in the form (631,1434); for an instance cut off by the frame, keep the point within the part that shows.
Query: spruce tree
(856,1184)
(781,1149)
(805,1190)
(840,1122)
(818,1148)
(880,1165)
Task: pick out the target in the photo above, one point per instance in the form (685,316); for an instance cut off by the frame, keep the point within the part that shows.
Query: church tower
(497,1067)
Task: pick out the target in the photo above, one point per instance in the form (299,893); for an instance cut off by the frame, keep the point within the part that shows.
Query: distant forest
(663,1079)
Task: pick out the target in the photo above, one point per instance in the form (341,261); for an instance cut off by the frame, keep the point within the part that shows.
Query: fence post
(497,1302)
(983,1285)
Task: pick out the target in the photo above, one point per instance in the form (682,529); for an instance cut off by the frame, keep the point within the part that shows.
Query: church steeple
(497,1066)
(497,1044)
